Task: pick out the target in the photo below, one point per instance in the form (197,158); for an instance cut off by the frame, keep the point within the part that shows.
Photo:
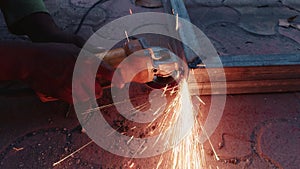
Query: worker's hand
(47,68)
(135,68)
(53,74)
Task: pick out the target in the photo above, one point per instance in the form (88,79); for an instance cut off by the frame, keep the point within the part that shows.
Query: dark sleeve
(15,10)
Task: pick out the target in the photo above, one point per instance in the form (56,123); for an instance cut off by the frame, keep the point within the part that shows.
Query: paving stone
(235,146)
(204,16)
(279,143)
(262,21)
(204,2)
(57,10)
(95,17)
(258,3)
(236,41)
(242,114)
(119,8)
(290,33)
(83,3)
(85,31)
(260,163)
(292,3)
(250,2)
(68,17)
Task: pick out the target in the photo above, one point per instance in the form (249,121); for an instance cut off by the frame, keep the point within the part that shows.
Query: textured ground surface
(256,131)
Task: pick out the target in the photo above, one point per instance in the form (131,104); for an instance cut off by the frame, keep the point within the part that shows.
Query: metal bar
(187,34)
(256,60)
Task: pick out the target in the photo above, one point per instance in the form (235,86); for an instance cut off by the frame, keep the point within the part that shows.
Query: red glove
(135,68)
(47,68)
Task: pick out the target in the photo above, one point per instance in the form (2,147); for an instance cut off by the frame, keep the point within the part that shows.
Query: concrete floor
(257,131)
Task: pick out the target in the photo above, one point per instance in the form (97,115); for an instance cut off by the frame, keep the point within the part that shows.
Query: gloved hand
(135,68)
(46,67)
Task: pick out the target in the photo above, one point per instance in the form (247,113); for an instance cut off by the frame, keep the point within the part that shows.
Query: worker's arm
(48,69)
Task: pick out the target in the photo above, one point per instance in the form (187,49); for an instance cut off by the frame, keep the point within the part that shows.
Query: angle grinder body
(165,67)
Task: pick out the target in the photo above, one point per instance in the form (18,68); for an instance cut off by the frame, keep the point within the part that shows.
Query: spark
(143,149)
(139,149)
(164,90)
(131,165)
(126,34)
(177,22)
(173,91)
(113,131)
(193,72)
(130,11)
(18,149)
(139,108)
(68,156)
(212,147)
(159,162)
(68,111)
(134,127)
(157,139)
(200,100)
(157,111)
(109,105)
(150,124)
(131,138)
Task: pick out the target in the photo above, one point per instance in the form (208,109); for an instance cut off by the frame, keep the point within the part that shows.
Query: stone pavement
(252,3)
(258,131)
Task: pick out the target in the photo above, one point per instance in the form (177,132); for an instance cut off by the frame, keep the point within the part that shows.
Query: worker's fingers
(93,49)
(135,68)
(85,90)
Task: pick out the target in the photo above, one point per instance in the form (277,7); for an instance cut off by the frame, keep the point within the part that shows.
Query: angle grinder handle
(114,57)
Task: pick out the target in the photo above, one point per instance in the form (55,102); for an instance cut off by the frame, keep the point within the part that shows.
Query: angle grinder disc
(162,82)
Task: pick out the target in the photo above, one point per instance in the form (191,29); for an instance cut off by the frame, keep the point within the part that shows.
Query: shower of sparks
(189,153)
